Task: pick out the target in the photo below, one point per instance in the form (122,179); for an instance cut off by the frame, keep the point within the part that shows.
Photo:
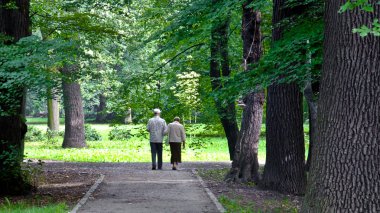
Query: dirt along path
(135,188)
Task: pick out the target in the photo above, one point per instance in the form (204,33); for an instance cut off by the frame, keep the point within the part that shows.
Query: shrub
(33,172)
(140,132)
(12,178)
(51,136)
(91,134)
(119,133)
(201,130)
(34,134)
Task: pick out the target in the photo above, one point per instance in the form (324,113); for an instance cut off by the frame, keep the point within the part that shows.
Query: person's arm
(165,131)
(168,133)
(148,126)
(183,136)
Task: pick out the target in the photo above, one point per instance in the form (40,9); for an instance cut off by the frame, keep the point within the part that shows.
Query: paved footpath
(141,190)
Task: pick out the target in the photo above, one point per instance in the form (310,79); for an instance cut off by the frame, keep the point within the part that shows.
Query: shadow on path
(133,187)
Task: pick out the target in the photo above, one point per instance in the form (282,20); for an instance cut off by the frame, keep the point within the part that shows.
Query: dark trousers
(156,149)
(175,150)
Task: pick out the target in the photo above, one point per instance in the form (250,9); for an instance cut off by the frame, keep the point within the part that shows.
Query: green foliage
(237,205)
(214,174)
(186,89)
(205,130)
(232,205)
(170,39)
(23,207)
(13,179)
(295,58)
(352,4)
(27,64)
(119,133)
(135,149)
(51,136)
(365,6)
(10,161)
(365,31)
(34,104)
(34,134)
(33,173)
(91,134)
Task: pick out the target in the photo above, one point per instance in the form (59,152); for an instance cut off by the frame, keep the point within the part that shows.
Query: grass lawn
(22,207)
(135,149)
(247,197)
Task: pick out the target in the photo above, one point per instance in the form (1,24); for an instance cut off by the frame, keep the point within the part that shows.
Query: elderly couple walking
(176,136)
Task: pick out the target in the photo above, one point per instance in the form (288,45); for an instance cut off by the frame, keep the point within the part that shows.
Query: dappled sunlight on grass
(121,151)
(134,149)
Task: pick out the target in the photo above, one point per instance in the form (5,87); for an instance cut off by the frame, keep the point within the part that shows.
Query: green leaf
(348,5)
(368,8)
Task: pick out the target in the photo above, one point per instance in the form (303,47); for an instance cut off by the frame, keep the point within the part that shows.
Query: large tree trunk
(219,66)
(101,114)
(313,109)
(245,165)
(284,169)
(15,23)
(310,92)
(74,117)
(128,117)
(344,173)
(53,112)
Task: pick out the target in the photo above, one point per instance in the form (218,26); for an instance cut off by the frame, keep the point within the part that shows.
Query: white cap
(157,110)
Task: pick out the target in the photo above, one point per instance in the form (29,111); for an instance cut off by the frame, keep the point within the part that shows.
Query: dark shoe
(174,168)
(160,168)
(153,168)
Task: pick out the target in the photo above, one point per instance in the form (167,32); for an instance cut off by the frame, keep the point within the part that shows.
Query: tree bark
(313,131)
(128,117)
(344,174)
(219,66)
(245,165)
(74,118)
(53,112)
(284,169)
(101,114)
(14,23)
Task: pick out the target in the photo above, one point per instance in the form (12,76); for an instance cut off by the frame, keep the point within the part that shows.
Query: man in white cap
(158,129)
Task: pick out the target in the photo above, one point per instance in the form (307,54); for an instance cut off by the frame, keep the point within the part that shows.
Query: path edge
(209,192)
(88,194)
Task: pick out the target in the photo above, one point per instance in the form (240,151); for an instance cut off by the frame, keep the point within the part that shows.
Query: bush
(119,133)
(34,134)
(201,130)
(91,134)
(11,175)
(33,172)
(139,132)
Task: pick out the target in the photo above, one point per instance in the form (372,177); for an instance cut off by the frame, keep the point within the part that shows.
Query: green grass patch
(203,144)
(214,174)
(41,121)
(237,205)
(134,149)
(22,207)
(234,205)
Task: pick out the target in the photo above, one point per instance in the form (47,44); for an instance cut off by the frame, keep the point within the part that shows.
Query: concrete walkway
(142,190)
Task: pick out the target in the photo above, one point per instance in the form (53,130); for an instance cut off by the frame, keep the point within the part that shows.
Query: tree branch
(176,56)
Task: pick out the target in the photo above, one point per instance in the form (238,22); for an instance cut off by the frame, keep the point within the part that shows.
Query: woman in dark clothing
(177,136)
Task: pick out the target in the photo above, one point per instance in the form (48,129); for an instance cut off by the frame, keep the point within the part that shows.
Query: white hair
(157,111)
